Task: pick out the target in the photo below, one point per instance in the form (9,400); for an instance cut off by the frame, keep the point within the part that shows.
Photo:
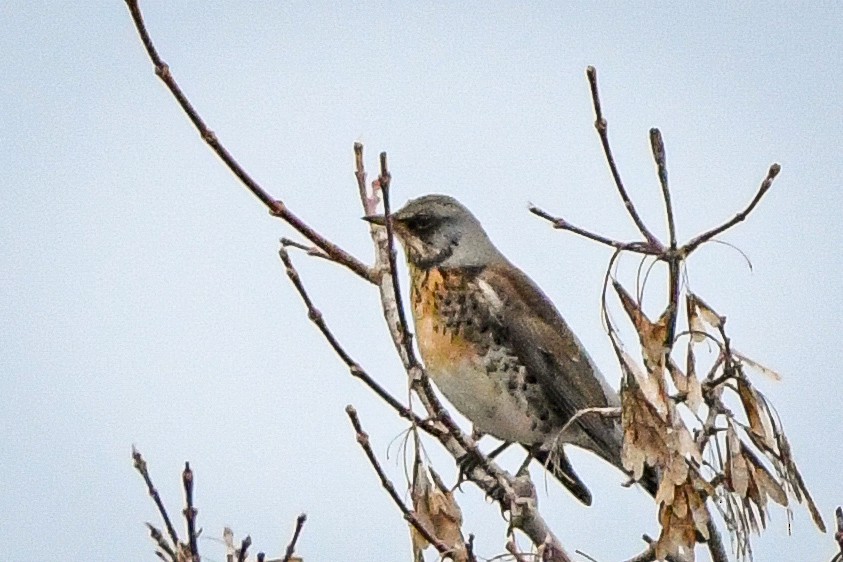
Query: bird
(497,348)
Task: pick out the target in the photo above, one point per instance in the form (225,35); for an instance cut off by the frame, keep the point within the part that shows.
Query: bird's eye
(420,223)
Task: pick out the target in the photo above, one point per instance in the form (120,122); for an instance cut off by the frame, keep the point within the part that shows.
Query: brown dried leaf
(706,313)
(736,470)
(695,324)
(766,482)
(438,511)
(652,387)
(684,442)
(797,484)
(756,366)
(686,384)
(679,523)
(757,412)
(653,336)
(680,380)
(637,422)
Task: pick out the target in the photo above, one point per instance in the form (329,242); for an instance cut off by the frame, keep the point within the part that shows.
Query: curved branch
(276,207)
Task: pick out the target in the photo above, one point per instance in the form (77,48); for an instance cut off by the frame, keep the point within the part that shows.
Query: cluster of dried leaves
(680,423)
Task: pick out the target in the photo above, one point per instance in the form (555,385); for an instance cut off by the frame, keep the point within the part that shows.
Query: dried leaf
(653,336)
(680,521)
(695,324)
(637,423)
(765,481)
(706,313)
(684,442)
(757,412)
(438,511)
(736,470)
(687,384)
(798,486)
(756,366)
(651,387)
(680,381)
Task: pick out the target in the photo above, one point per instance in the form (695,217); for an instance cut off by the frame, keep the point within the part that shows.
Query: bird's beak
(379,220)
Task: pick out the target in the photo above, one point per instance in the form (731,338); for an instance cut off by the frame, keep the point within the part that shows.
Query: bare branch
(312,251)
(141,467)
(244,549)
(354,368)
(190,511)
(384,180)
(706,236)
(657,145)
(673,260)
(838,535)
(370,202)
(291,547)
(601,125)
(409,515)
(513,550)
(276,207)
(562,224)
(162,543)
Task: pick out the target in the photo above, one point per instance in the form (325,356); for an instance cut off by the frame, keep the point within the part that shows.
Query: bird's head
(438,231)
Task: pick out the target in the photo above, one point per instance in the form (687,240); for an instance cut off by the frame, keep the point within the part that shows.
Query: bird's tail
(559,466)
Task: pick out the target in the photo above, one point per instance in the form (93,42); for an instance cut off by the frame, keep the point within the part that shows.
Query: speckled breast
(466,356)
(449,328)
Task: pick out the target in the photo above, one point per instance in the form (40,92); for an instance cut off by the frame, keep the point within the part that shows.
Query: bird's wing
(550,351)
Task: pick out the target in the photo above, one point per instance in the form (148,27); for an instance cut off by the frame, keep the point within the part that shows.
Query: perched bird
(495,345)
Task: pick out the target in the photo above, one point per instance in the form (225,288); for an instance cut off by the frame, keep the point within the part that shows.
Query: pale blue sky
(143,301)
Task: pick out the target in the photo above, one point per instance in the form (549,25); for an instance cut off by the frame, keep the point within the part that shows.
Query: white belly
(486,403)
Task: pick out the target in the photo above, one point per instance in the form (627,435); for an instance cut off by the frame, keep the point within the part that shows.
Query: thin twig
(673,260)
(312,251)
(562,224)
(706,236)
(409,515)
(838,535)
(370,202)
(190,511)
(158,537)
(609,412)
(385,180)
(277,208)
(657,145)
(601,125)
(354,368)
(141,467)
(586,556)
(291,548)
(513,550)
(244,549)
